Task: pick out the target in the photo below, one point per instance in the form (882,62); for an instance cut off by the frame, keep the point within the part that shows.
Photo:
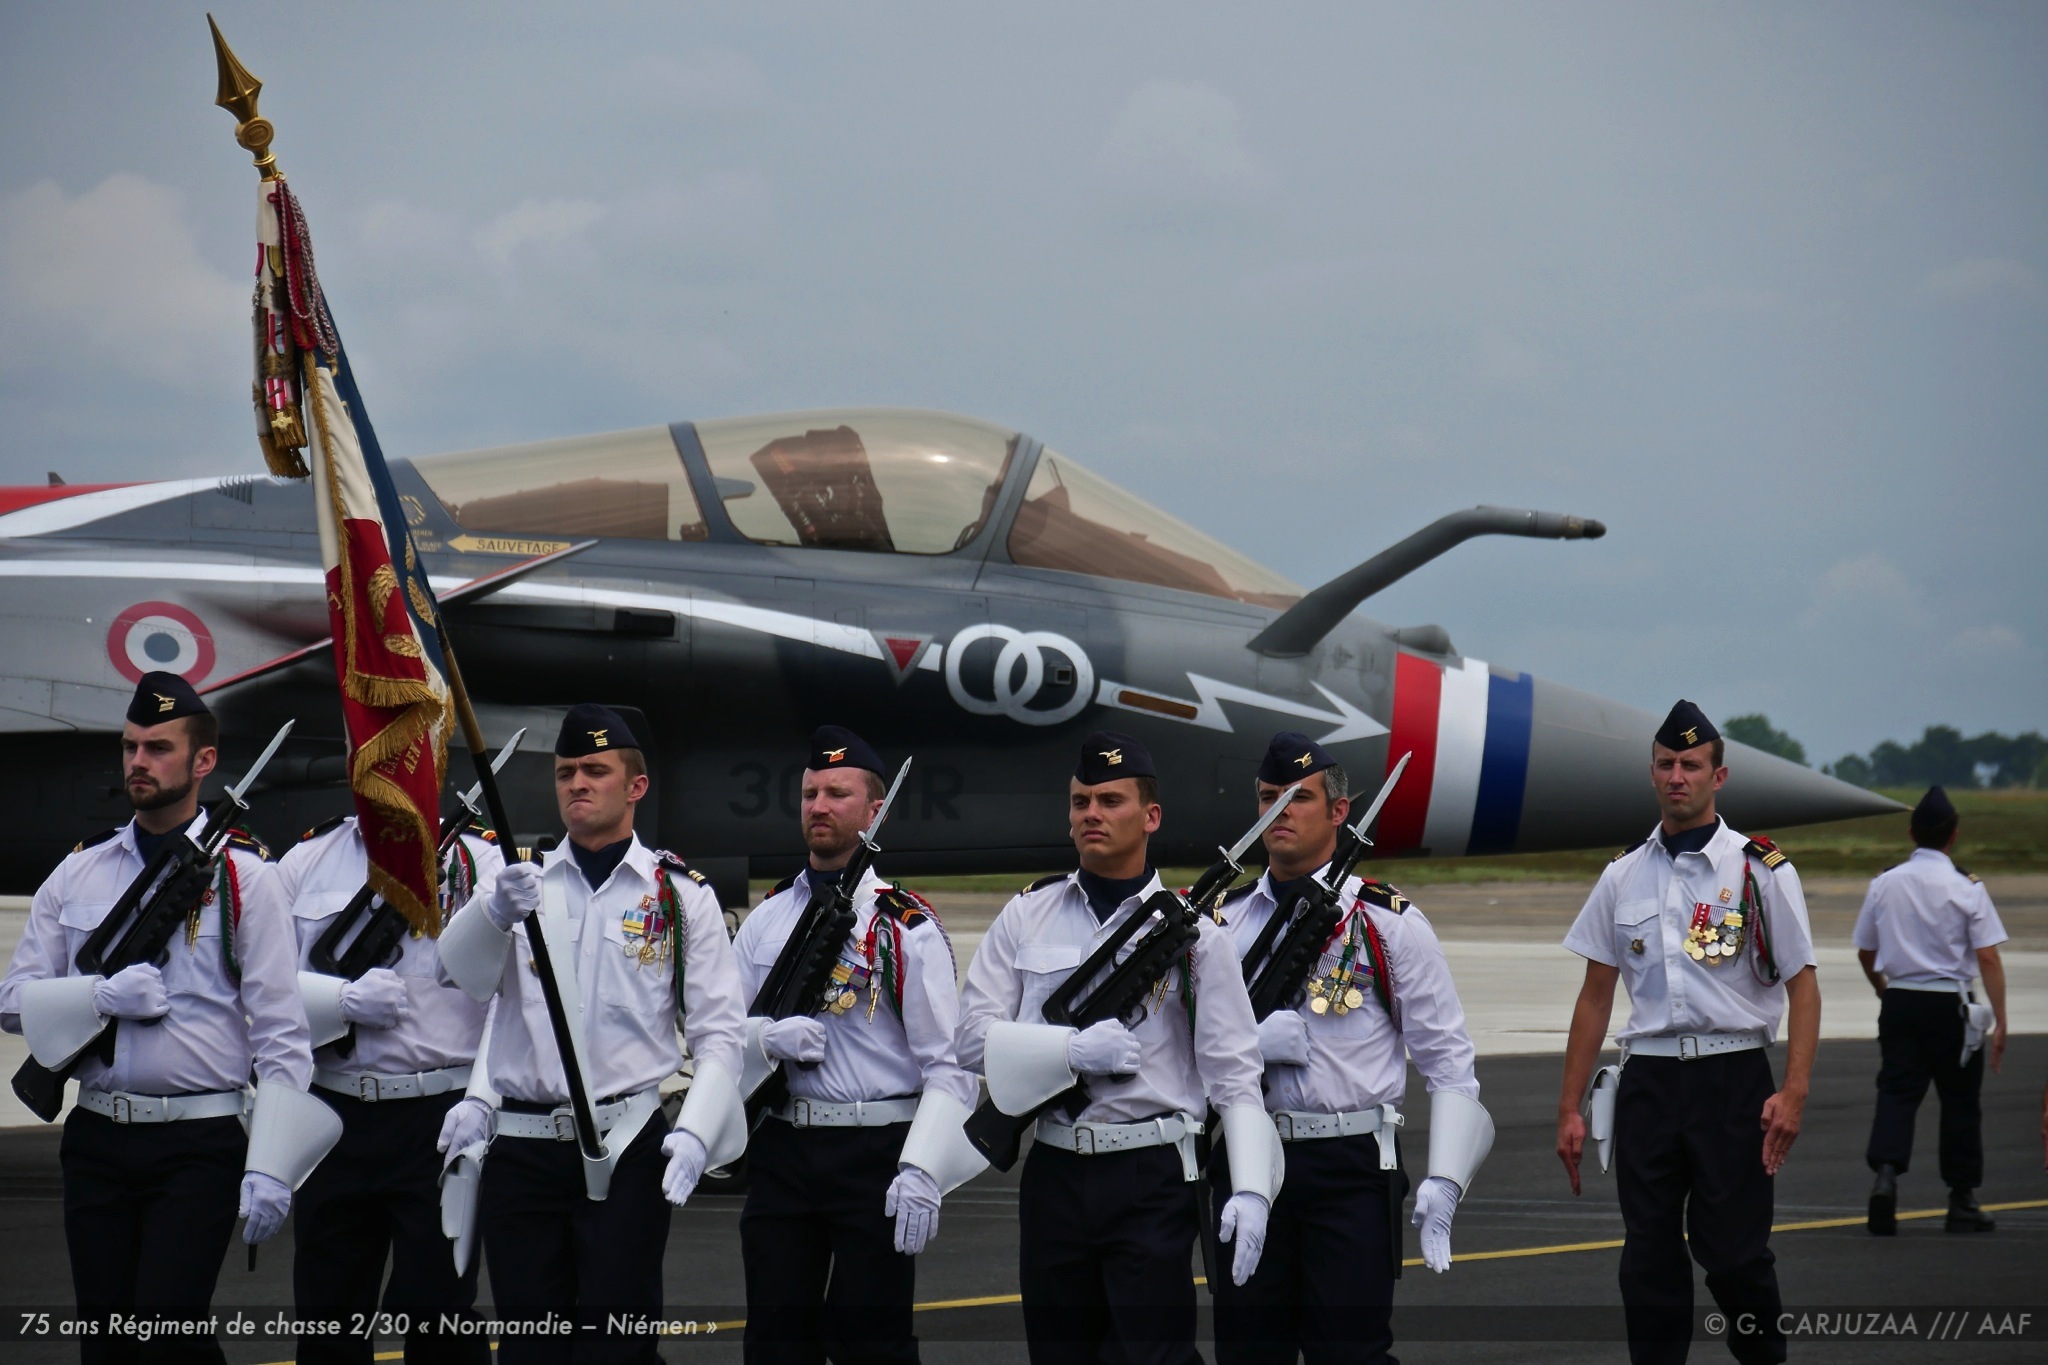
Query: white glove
(515,895)
(377,1000)
(1283,1039)
(686,1157)
(1104,1049)
(913,1201)
(133,993)
(265,1202)
(1436,1199)
(469,1122)
(797,1039)
(1244,1222)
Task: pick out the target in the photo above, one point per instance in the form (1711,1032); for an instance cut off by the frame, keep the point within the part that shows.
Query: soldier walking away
(1709,930)
(636,936)
(156,1160)
(843,1187)
(1926,929)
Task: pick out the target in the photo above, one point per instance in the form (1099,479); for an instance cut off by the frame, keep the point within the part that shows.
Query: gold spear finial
(238,92)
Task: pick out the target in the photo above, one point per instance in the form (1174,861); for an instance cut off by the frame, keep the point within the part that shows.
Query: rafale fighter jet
(946,587)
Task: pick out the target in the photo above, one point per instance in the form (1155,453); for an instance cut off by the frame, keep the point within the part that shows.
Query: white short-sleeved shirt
(1925,920)
(1359,1059)
(1045,932)
(1641,916)
(318,877)
(878,1053)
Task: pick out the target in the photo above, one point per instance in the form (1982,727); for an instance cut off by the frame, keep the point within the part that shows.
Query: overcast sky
(1759,286)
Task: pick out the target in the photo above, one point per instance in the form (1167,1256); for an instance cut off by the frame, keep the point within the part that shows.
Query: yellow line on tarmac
(1557,1249)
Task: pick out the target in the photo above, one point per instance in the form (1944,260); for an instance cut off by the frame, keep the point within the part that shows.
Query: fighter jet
(944,586)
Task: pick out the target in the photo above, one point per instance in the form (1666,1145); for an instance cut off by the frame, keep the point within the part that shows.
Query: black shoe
(1964,1215)
(1884,1203)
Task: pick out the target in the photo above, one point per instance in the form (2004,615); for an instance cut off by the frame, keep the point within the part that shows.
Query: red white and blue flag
(387,654)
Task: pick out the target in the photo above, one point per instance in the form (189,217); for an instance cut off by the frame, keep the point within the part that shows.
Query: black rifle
(1121,994)
(1277,965)
(141,925)
(795,985)
(385,929)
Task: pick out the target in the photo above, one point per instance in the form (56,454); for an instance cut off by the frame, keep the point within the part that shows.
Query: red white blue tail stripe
(1468,727)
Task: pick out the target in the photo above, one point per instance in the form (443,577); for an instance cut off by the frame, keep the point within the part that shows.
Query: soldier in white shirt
(838,1204)
(393,1053)
(1336,1071)
(1710,931)
(1107,1209)
(638,943)
(155,1151)
(1927,928)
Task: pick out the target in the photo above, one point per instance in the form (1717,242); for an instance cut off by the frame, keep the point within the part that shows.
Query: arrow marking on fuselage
(1210,694)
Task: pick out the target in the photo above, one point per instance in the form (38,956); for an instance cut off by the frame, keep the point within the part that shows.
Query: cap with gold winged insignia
(161,696)
(1291,757)
(1108,755)
(1687,727)
(592,729)
(835,746)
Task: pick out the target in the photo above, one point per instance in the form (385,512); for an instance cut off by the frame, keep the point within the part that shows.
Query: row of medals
(1336,993)
(1715,942)
(849,979)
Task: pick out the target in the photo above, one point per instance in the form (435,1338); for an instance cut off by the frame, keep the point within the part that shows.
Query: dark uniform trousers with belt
(377,1196)
(1920,1039)
(1688,1162)
(555,1251)
(823,1273)
(1325,1285)
(148,1210)
(1106,1249)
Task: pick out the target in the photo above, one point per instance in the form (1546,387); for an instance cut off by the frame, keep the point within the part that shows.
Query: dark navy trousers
(1920,1041)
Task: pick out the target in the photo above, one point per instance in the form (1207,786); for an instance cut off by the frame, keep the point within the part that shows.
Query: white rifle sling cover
(937,1146)
(322,997)
(289,1132)
(1257,1163)
(756,1066)
(1026,1064)
(1600,1113)
(57,1017)
(1460,1136)
(459,1184)
(473,951)
(714,1111)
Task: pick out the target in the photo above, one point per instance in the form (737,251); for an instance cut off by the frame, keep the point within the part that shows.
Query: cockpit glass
(887,479)
(1076,521)
(629,484)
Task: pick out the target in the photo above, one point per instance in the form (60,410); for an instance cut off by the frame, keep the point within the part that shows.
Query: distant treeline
(1941,755)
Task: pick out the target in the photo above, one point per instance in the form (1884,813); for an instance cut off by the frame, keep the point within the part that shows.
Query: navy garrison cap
(1292,756)
(592,729)
(1934,810)
(161,696)
(1107,755)
(835,746)
(1687,727)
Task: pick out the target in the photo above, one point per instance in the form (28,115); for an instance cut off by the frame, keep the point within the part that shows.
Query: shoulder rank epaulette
(94,841)
(1384,896)
(906,906)
(326,826)
(1238,893)
(674,863)
(783,885)
(248,843)
(1630,849)
(1042,883)
(1765,852)
(481,831)
(1967,873)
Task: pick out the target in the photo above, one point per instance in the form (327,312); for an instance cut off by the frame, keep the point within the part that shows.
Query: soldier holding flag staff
(638,942)
(155,1157)
(843,1187)
(1107,1210)
(1710,931)
(1379,993)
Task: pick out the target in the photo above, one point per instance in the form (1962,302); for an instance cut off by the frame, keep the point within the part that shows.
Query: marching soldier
(637,942)
(393,1054)
(840,1158)
(1107,1209)
(1710,930)
(156,1161)
(1336,1070)
(1927,927)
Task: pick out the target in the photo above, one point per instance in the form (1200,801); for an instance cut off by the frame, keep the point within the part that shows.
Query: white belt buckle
(1285,1124)
(124,1109)
(565,1125)
(368,1089)
(1084,1139)
(1688,1047)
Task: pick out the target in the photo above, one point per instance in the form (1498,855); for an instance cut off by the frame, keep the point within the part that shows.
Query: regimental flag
(387,655)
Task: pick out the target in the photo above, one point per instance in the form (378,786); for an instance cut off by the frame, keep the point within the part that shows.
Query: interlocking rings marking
(1013,697)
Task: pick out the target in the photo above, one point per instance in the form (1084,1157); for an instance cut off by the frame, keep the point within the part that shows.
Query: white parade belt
(1692,1046)
(122,1107)
(1381,1122)
(801,1113)
(1936,987)
(372,1086)
(559,1123)
(1097,1139)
